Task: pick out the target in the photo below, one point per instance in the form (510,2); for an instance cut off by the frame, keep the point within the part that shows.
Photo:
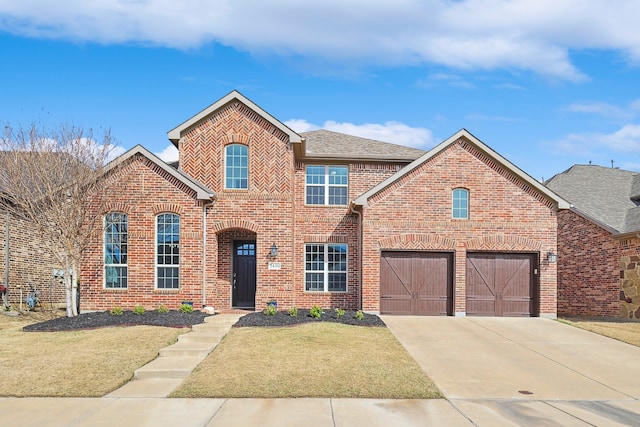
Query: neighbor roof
(602,194)
(363,200)
(324,144)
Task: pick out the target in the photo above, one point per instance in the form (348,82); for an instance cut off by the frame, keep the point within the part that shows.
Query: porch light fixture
(274,251)
(552,257)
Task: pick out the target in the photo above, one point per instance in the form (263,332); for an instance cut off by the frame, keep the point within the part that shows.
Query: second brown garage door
(501,284)
(416,283)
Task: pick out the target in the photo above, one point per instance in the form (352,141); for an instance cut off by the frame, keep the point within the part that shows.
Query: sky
(545,83)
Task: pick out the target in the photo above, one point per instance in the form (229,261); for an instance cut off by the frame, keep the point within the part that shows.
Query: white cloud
(464,34)
(607,110)
(625,140)
(394,132)
(169,154)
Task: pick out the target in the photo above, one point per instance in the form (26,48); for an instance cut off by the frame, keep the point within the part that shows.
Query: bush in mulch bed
(101,319)
(282,318)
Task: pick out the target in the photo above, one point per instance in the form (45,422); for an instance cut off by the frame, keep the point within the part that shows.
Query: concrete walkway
(523,371)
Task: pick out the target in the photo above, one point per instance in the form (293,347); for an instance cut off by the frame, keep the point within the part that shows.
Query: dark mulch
(282,318)
(101,319)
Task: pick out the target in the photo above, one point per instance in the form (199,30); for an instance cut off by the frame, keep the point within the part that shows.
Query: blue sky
(546,87)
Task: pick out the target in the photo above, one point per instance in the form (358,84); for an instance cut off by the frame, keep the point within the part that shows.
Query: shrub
(359,315)
(316,312)
(270,310)
(339,312)
(117,311)
(138,309)
(163,309)
(293,311)
(186,308)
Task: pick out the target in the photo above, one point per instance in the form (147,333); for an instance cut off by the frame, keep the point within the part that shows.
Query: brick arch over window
(235,223)
(417,241)
(167,207)
(237,138)
(116,207)
(500,242)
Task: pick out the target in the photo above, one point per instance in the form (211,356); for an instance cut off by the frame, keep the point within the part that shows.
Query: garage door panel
(416,283)
(500,284)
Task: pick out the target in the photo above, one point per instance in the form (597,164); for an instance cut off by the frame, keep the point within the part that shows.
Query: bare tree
(53,178)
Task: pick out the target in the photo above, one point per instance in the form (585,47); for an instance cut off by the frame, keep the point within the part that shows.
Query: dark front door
(244,274)
(501,284)
(416,283)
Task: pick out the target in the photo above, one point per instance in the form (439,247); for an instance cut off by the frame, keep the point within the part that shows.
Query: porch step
(161,376)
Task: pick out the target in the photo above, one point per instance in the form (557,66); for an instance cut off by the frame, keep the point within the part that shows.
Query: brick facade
(413,213)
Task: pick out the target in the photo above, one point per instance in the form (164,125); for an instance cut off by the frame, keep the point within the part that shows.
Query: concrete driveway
(525,371)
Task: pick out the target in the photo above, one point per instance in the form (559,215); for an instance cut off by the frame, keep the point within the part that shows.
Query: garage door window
(460,203)
(325,267)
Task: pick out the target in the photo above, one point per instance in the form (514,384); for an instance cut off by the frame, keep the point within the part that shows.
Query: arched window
(168,251)
(460,203)
(236,169)
(115,250)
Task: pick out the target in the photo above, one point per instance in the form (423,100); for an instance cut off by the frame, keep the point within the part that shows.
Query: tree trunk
(74,290)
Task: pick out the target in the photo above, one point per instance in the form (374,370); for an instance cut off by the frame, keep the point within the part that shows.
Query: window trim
(157,245)
(326,185)
(226,158)
(105,265)
(465,209)
(325,271)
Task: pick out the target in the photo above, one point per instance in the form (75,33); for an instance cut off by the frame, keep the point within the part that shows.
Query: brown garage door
(416,283)
(501,284)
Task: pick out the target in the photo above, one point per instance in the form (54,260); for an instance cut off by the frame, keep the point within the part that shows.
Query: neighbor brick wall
(30,261)
(415,213)
(588,268)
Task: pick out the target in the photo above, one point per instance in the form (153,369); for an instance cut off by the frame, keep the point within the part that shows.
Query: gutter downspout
(360,255)
(7,241)
(205,205)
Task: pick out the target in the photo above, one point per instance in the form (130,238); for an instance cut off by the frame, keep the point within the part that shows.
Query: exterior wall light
(552,257)
(274,251)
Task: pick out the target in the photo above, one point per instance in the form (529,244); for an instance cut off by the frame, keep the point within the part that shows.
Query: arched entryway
(237,265)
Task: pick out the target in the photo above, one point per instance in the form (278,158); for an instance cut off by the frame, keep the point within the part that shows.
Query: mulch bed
(177,319)
(282,318)
(102,319)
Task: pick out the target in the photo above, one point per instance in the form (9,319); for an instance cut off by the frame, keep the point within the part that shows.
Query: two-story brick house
(257,212)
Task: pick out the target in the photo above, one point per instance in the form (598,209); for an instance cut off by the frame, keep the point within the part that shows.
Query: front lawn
(309,360)
(624,330)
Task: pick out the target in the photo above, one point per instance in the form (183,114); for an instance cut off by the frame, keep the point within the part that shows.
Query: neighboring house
(257,212)
(598,242)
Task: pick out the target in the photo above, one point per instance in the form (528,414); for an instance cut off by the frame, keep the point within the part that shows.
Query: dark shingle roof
(604,194)
(326,144)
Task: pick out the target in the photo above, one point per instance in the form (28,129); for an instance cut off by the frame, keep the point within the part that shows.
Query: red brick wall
(415,214)
(588,268)
(143,191)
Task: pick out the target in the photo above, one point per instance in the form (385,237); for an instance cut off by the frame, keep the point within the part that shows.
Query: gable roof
(363,200)
(602,194)
(176,133)
(325,144)
(202,192)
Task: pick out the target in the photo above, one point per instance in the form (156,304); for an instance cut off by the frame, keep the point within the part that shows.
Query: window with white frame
(460,198)
(327,185)
(325,267)
(115,250)
(168,251)
(236,169)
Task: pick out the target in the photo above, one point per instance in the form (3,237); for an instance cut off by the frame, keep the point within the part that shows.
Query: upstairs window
(236,170)
(327,185)
(168,251)
(460,203)
(115,250)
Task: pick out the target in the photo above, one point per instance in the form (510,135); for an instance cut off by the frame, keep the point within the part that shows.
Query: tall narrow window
(236,175)
(460,203)
(326,267)
(327,185)
(115,250)
(168,251)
